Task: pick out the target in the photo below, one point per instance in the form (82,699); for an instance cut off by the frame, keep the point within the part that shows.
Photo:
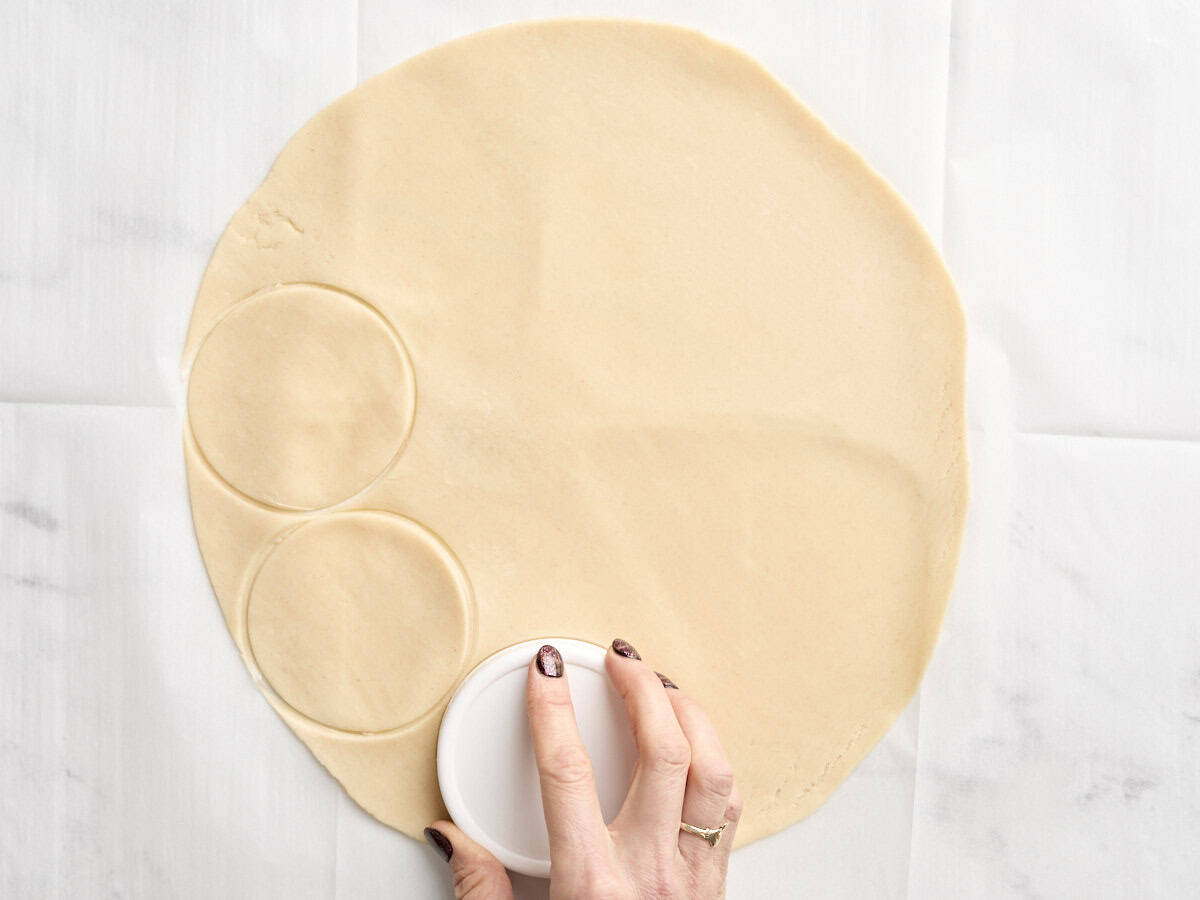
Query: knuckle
(568,767)
(476,880)
(669,756)
(715,780)
(734,807)
(661,884)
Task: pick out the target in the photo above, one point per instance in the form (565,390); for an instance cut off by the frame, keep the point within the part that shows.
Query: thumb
(477,874)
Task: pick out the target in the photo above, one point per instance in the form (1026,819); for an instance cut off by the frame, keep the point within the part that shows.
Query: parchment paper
(1051,147)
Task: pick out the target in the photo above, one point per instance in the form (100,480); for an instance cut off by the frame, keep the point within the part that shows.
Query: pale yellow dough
(591,329)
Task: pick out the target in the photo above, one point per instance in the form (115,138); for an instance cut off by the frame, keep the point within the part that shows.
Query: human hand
(681,775)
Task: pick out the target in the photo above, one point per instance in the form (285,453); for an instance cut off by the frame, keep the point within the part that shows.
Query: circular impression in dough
(345,607)
(322,410)
(584,328)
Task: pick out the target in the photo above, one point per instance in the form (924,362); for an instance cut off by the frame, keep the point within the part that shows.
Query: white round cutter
(485,761)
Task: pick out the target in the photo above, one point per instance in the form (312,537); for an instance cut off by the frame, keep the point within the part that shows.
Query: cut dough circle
(346,607)
(586,328)
(301,396)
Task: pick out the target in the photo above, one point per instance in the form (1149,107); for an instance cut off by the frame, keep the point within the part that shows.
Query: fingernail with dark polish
(440,843)
(667,682)
(549,662)
(625,649)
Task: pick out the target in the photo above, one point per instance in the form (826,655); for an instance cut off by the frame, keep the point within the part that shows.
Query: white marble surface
(1051,148)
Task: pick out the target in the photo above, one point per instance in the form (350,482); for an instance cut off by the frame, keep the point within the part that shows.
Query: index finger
(574,821)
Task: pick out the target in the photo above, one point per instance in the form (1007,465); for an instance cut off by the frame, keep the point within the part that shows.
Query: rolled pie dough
(583,328)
